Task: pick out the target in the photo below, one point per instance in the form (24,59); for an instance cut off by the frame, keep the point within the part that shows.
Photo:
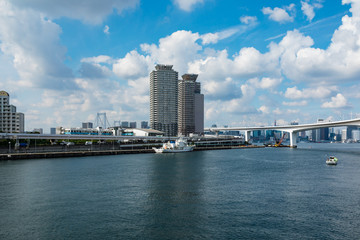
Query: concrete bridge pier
(293,137)
(247,136)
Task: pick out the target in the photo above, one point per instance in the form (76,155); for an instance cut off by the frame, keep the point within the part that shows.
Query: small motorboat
(331,160)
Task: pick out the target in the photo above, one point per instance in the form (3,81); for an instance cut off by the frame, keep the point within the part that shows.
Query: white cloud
(221,89)
(88,11)
(133,65)
(248,19)
(265,83)
(339,101)
(94,70)
(264,109)
(308,9)
(106,30)
(292,104)
(311,93)
(280,15)
(33,44)
(177,49)
(339,62)
(187,5)
(277,111)
(98,59)
(215,37)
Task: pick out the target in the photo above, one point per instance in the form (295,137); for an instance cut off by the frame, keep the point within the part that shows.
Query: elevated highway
(291,129)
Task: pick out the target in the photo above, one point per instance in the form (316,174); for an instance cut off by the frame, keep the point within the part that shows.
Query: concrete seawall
(24,156)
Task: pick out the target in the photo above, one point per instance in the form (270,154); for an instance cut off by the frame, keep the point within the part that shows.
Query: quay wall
(41,155)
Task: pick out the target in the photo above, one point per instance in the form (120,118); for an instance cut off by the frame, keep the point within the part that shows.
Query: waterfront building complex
(10,120)
(190,106)
(164,100)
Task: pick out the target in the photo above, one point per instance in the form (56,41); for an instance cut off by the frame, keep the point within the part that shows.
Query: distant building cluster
(10,120)
(176,106)
(344,134)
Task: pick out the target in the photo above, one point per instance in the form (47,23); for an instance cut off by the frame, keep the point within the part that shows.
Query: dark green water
(270,193)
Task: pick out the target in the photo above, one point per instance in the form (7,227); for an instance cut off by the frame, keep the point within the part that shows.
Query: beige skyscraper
(10,120)
(164,99)
(190,106)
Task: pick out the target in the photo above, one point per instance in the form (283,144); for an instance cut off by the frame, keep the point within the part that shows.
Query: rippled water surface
(268,193)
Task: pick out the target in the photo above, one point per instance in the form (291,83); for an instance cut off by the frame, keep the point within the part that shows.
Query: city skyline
(257,61)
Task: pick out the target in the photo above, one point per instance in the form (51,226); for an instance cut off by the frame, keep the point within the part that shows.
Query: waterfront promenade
(109,148)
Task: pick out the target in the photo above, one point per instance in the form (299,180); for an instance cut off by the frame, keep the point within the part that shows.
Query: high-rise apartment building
(349,130)
(10,120)
(164,99)
(132,124)
(190,106)
(199,110)
(124,124)
(144,124)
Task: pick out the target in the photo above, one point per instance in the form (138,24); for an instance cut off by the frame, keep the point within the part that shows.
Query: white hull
(178,146)
(331,161)
(162,150)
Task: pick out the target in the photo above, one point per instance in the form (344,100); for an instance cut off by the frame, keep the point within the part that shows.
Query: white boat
(331,160)
(180,145)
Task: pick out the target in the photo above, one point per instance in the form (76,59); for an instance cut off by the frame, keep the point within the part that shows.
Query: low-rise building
(141,132)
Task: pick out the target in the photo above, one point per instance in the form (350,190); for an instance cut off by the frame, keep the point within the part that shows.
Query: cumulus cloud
(339,101)
(308,9)
(224,77)
(92,70)
(33,43)
(224,90)
(265,83)
(281,15)
(133,65)
(187,5)
(89,11)
(177,49)
(340,61)
(312,93)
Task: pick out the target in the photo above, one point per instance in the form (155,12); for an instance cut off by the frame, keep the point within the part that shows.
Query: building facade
(190,106)
(164,99)
(199,110)
(132,124)
(87,125)
(144,124)
(10,120)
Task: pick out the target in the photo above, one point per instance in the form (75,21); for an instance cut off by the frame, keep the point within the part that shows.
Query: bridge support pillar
(293,137)
(247,136)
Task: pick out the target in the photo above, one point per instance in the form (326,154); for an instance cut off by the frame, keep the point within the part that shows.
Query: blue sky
(64,61)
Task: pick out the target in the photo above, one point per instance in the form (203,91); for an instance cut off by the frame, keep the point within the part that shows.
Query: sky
(64,61)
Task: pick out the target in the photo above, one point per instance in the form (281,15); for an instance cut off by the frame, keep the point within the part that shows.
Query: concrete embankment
(24,156)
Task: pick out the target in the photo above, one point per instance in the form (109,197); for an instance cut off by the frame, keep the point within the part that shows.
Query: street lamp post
(9,147)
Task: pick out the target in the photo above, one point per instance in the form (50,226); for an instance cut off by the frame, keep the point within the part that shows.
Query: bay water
(264,193)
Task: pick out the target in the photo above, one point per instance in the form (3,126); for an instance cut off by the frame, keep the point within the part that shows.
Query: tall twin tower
(176,106)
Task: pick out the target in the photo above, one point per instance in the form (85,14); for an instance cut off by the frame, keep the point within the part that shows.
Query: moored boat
(180,145)
(331,160)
